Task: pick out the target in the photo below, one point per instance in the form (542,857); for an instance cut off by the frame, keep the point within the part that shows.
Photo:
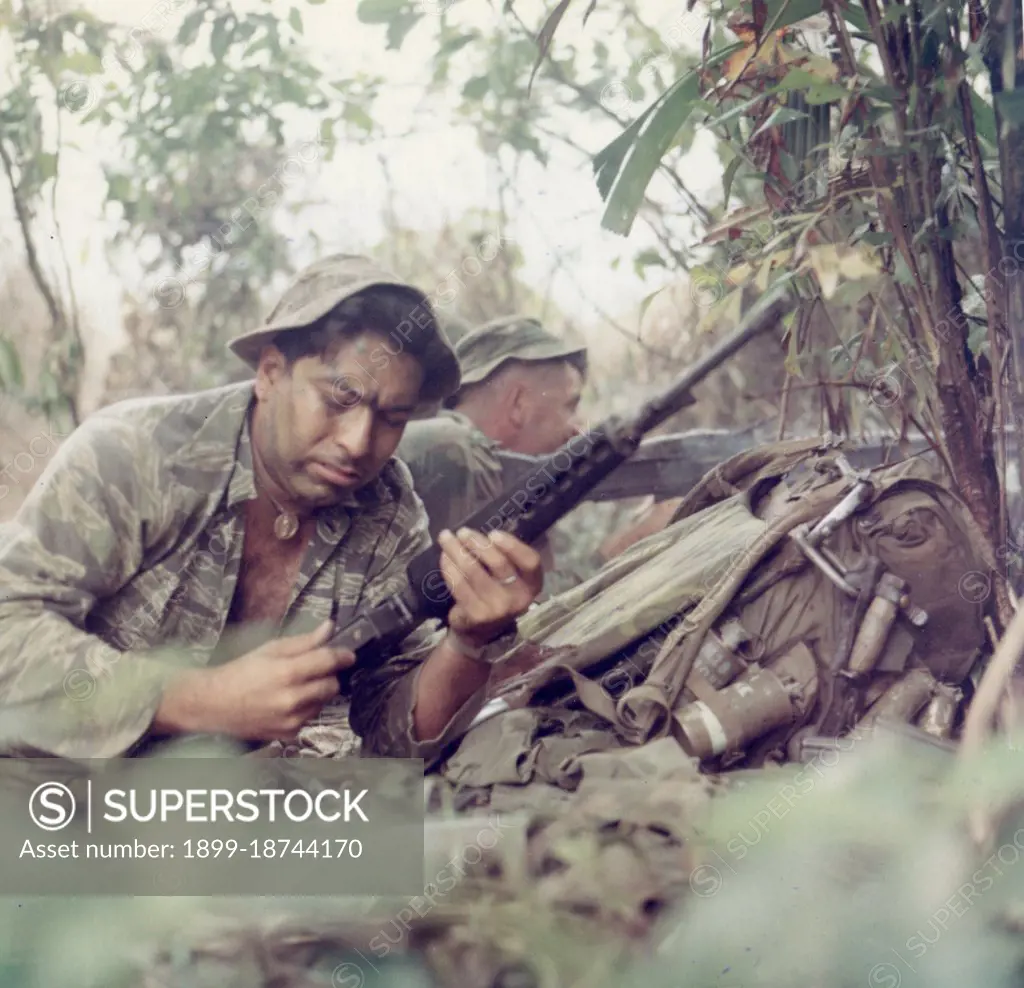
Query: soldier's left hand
(493,578)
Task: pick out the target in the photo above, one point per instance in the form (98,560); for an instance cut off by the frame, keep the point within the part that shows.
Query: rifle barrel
(762,316)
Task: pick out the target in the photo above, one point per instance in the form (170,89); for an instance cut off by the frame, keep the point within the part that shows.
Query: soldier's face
(331,426)
(550,409)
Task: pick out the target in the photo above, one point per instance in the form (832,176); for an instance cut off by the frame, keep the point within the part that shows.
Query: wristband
(487,654)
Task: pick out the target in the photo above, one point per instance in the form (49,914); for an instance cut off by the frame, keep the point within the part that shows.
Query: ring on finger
(509,580)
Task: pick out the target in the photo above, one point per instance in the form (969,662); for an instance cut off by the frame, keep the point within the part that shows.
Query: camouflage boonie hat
(487,347)
(320,287)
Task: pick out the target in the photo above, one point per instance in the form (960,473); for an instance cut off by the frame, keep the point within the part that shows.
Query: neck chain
(286,524)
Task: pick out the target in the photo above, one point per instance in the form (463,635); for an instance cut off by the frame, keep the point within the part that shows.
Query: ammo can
(736,715)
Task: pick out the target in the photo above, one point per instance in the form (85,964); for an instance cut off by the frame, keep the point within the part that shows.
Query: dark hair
(391,312)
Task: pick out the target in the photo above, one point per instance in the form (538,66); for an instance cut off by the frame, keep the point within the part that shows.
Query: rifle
(530,508)
(669,466)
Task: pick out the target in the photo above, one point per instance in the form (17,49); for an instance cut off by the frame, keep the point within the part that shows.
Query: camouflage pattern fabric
(484,350)
(454,467)
(120,567)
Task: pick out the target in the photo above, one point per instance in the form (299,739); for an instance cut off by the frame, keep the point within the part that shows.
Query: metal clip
(859,496)
(847,470)
(810,542)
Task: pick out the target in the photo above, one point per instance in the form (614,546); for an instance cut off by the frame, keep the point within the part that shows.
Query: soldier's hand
(493,579)
(265,695)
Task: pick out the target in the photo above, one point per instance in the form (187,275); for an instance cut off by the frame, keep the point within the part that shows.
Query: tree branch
(24,223)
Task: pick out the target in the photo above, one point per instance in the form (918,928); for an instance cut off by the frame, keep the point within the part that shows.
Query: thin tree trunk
(1004,49)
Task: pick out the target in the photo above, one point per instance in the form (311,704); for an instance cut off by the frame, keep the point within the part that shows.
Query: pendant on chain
(285,526)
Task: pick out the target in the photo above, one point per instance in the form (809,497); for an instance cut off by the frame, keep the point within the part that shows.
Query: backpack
(721,632)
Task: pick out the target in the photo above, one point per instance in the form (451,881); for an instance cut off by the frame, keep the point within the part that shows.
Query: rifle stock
(532,506)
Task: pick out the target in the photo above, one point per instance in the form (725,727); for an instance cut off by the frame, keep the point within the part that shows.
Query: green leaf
(380,11)
(46,166)
(10,366)
(726,311)
(355,114)
(799,10)
(399,27)
(850,293)
(625,167)
(546,34)
(825,92)
(295,19)
(855,15)
(882,93)
(645,304)
(798,79)
(739,110)
(728,177)
(476,87)
(452,45)
(901,272)
(265,41)
(119,187)
(780,116)
(293,91)
(649,258)
(219,39)
(80,63)
(189,30)
(796,10)
(984,119)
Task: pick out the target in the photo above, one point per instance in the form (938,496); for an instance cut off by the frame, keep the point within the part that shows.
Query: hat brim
(442,376)
(532,354)
(248,346)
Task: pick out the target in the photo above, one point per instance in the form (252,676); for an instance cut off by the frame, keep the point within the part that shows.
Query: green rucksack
(721,632)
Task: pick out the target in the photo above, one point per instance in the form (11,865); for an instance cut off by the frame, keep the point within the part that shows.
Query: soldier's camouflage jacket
(454,466)
(121,565)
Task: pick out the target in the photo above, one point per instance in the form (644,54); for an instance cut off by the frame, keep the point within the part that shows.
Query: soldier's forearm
(184,706)
(446,682)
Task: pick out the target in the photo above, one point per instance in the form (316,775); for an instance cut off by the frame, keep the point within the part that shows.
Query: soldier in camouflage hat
(520,389)
(520,384)
(176,568)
